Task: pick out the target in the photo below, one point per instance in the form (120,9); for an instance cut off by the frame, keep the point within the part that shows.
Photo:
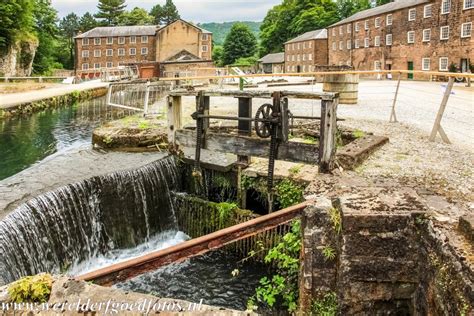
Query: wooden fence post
(437,125)
(245,127)
(174,117)
(327,141)
(393,115)
(147,98)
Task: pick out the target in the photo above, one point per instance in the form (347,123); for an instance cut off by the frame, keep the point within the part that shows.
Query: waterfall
(61,228)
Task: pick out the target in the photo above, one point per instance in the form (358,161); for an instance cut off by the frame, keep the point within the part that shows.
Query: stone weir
(76,222)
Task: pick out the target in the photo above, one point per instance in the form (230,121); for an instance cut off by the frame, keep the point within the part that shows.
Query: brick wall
(305,55)
(401,53)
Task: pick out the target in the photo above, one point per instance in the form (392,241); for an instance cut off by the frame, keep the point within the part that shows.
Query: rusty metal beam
(126,270)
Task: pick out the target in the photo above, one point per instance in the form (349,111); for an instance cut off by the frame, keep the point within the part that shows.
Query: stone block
(393,245)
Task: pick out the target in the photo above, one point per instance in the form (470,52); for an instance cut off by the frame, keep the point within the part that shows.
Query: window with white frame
(97,41)
(377,22)
(85,66)
(85,41)
(304,45)
(299,45)
(205,48)
(427,11)
(110,40)
(132,51)
(426,35)
(298,57)
(366,24)
(304,68)
(293,58)
(334,32)
(288,58)
(377,41)
(356,27)
(97,53)
(377,65)
(349,44)
(144,39)
(425,64)
(356,43)
(389,20)
(85,54)
(310,44)
(466,29)
(109,52)
(97,65)
(121,52)
(341,31)
(445,6)
(366,42)
(288,68)
(468,4)
(411,37)
(133,39)
(411,15)
(310,56)
(144,51)
(333,45)
(388,40)
(340,45)
(204,37)
(121,40)
(304,57)
(443,64)
(444,32)
(109,64)
(349,28)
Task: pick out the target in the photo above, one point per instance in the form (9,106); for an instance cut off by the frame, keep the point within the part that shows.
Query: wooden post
(241,84)
(437,125)
(109,94)
(393,115)
(245,127)
(202,106)
(327,141)
(174,117)
(147,98)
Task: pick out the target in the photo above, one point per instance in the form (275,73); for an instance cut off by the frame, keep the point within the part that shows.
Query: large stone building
(425,35)
(170,50)
(305,52)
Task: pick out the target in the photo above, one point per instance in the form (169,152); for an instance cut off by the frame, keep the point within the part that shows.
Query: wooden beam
(245,127)
(250,146)
(174,116)
(393,114)
(437,125)
(126,270)
(257,94)
(327,140)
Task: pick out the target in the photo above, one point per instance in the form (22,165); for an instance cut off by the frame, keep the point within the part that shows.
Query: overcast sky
(191,10)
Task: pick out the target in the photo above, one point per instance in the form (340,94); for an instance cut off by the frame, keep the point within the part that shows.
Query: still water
(27,140)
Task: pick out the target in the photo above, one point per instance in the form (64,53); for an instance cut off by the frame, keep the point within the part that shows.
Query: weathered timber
(257,94)
(327,141)
(128,269)
(245,127)
(174,116)
(437,128)
(249,146)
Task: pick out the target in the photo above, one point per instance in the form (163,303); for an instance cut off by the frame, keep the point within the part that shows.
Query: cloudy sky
(191,10)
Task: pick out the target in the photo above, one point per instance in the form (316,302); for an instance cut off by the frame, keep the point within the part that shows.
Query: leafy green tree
(240,42)
(137,16)
(110,10)
(16,21)
(381,2)
(87,22)
(217,55)
(170,12)
(347,8)
(69,25)
(158,14)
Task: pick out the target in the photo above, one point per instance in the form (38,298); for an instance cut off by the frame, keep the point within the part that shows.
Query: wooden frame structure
(245,146)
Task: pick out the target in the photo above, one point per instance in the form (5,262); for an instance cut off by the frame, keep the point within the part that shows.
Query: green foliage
(295,170)
(336,219)
(288,193)
(16,21)
(246,61)
(108,140)
(327,306)
(144,124)
(68,27)
(240,42)
(329,253)
(310,140)
(225,210)
(358,134)
(283,286)
(347,8)
(137,16)
(223,183)
(165,14)
(221,30)
(31,289)
(87,22)
(217,55)
(110,11)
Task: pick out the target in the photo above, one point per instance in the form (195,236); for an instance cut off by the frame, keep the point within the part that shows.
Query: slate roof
(111,31)
(317,34)
(277,58)
(386,8)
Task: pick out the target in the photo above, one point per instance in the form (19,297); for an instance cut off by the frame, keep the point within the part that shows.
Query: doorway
(410,67)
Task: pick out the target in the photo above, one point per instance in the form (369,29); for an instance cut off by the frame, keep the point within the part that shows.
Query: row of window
(120,40)
(466,31)
(120,52)
(302,68)
(299,57)
(305,45)
(85,66)
(427,13)
(425,64)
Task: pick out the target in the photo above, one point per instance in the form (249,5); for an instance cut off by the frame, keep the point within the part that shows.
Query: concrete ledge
(357,151)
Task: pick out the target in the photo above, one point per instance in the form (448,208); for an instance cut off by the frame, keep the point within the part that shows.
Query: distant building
(272,63)
(305,52)
(428,35)
(171,50)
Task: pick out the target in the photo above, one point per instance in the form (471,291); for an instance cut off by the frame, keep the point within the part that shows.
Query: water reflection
(29,139)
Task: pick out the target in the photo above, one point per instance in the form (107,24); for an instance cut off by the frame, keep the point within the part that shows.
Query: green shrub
(31,289)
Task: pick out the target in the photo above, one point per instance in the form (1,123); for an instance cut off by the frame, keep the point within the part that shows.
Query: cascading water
(88,219)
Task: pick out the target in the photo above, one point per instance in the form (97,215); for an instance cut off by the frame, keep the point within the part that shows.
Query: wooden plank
(327,141)
(126,270)
(245,127)
(258,94)
(393,115)
(437,124)
(249,146)
(174,117)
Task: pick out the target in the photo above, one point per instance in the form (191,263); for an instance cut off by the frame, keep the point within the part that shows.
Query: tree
(217,55)
(87,22)
(69,25)
(110,10)
(382,2)
(165,14)
(137,16)
(16,21)
(240,42)
(347,8)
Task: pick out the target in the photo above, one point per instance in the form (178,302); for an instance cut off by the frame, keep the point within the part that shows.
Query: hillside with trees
(221,30)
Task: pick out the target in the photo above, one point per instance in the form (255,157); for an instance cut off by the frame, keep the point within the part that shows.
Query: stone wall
(17,60)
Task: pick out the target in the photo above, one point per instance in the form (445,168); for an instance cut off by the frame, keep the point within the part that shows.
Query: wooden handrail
(131,268)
